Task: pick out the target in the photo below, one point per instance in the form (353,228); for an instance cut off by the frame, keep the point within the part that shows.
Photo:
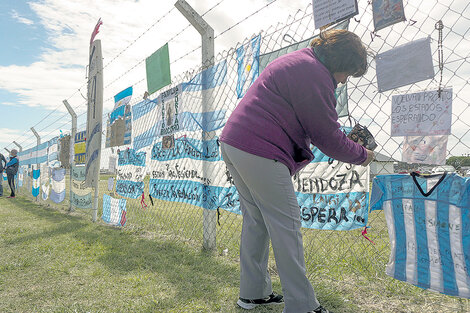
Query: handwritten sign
(130,173)
(422,113)
(81,194)
(327,11)
(332,194)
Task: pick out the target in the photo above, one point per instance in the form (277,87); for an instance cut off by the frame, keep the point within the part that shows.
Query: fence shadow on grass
(197,277)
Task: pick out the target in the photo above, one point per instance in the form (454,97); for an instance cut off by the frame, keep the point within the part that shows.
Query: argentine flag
(123,98)
(248,65)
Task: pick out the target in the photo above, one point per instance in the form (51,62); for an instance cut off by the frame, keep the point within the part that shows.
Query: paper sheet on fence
(422,113)
(157,68)
(327,11)
(404,65)
(79,148)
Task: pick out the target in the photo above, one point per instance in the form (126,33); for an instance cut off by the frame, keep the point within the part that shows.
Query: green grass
(52,261)
(346,270)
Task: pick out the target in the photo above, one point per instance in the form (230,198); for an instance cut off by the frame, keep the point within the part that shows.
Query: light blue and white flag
(209,78)
(428,221)
(123,97)
(114,211)
(36,181)
(248,65)
(35,155)
(151,119)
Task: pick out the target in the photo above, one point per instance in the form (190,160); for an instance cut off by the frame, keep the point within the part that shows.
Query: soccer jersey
(428,221)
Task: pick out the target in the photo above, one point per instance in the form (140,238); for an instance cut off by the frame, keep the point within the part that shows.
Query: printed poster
(387,12)
(171,105)
(326,12)
(422,113)
(425,149)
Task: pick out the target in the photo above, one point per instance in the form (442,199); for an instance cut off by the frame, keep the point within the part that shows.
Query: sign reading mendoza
(131,172)
(94,114)
(332,195)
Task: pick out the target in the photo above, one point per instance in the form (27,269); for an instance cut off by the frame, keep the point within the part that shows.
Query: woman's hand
(370,157)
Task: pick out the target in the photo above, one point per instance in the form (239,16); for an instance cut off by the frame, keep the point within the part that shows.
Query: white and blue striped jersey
(428,220)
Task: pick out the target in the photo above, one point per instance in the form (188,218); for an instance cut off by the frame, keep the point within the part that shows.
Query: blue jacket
(12,166)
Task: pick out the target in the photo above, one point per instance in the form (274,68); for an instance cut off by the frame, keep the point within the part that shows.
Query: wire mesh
(338,262)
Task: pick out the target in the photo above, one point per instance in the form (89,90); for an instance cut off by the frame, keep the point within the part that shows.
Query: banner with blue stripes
(428,222)
(248,65)
(36,181)
(114,211)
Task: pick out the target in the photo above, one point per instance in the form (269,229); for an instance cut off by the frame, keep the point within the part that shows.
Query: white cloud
(60,71)
(20,19)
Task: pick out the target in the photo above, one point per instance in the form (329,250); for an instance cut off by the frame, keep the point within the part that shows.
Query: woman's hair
(341,51)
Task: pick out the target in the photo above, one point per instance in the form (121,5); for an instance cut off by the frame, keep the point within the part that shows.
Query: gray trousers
(270,211)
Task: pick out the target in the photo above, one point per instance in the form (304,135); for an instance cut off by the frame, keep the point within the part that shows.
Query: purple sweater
(289,106)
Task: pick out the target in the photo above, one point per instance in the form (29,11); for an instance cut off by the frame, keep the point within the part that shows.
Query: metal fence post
(20,148)
(7,150)
(73,115)
(37,148)
(207,37)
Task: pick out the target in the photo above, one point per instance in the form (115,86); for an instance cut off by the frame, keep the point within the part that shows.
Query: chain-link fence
(340,264)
